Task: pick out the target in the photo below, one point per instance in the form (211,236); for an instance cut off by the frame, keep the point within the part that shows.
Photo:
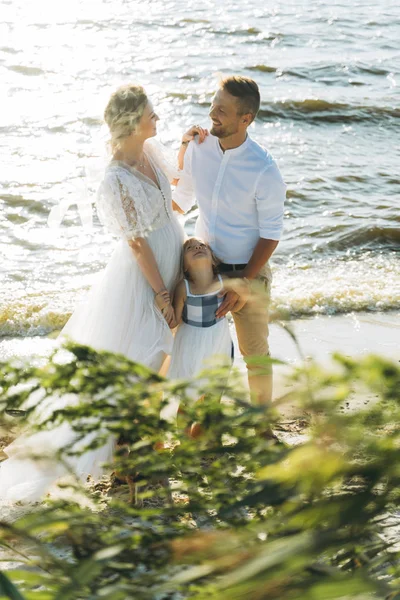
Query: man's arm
(270,198)
(261,254)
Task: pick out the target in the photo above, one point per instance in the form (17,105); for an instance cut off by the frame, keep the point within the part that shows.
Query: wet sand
(353,334)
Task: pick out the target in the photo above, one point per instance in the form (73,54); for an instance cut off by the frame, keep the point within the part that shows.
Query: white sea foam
(372,284)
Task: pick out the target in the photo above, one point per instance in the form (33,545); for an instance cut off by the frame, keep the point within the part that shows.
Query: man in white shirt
(240,194)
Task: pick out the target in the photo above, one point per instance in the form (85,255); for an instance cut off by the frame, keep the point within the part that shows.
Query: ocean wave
(326,72)
(341,239)
(246,31)
(351,178)
(330,287)
(24,70)
(25,318)
(319,110)
(369,236)
(263,69)
(195,21)
(314,72)
(337,287)
(178,95)
(91,121)
(17,201)
(315,110)
(8,50)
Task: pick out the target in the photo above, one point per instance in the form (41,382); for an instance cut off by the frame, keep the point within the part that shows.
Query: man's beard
(223,132)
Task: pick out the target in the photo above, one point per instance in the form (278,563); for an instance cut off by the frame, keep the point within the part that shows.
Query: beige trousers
(251,323)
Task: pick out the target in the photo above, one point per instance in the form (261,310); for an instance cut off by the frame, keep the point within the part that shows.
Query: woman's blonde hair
(214,259)
(124,110)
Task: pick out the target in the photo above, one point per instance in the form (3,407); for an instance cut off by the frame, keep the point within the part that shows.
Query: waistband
(225,267)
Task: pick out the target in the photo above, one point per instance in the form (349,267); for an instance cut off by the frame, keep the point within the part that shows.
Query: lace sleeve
(116,206)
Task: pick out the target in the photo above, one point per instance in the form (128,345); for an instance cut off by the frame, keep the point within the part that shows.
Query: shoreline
(351,334)
(318,337)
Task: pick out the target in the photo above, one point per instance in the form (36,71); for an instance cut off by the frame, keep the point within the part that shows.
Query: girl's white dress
(198,344)
(118,315)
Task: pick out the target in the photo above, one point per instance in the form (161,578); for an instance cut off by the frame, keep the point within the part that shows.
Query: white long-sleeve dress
(118,315)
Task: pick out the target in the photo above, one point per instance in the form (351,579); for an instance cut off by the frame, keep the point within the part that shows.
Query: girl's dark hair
(215,261)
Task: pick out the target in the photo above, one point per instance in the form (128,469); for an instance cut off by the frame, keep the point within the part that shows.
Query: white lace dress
(118,315)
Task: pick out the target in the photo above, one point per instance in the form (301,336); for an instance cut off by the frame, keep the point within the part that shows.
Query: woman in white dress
(129,310)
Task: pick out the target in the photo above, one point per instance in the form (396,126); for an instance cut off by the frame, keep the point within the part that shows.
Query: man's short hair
(245,90)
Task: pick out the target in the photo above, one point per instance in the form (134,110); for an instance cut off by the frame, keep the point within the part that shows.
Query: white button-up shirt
(240,194)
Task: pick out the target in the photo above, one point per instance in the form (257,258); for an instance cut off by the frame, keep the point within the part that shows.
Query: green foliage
(249,518)
(8,590)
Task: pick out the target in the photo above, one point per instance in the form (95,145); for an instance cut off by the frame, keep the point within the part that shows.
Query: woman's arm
(179,300)
(117,210)
(148,265)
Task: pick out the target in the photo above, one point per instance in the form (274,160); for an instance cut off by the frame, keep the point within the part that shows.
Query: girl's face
(196,252)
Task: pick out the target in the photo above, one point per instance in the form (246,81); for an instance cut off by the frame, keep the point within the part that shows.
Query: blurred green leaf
(8,589)
(243,517)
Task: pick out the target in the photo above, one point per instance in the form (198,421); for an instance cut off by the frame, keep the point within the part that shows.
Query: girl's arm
(187,137)
(181,155)
(179,300)
(118,210)
(148,265)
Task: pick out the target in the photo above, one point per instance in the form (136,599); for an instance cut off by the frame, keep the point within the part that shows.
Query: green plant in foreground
(250,519)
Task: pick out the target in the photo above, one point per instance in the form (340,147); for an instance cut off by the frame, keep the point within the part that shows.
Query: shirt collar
(233,151)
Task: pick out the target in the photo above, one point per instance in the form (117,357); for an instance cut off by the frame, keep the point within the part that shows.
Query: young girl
(200,335)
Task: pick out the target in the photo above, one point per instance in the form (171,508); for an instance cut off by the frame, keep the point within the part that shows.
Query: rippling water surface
(330,115)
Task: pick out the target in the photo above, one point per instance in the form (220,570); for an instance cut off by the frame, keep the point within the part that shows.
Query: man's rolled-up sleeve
(184,191)
(270,199)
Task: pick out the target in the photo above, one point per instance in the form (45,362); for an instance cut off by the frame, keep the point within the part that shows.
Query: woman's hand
(163,302)
(190,134)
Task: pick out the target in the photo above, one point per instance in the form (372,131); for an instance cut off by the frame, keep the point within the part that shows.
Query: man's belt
(225,267)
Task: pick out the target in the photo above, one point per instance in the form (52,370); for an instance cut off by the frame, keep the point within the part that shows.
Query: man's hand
(232,303)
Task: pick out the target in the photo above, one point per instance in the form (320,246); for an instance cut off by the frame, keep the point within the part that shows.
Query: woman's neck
(131,154)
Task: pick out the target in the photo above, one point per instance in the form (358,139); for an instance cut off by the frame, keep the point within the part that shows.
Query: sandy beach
(352,334)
